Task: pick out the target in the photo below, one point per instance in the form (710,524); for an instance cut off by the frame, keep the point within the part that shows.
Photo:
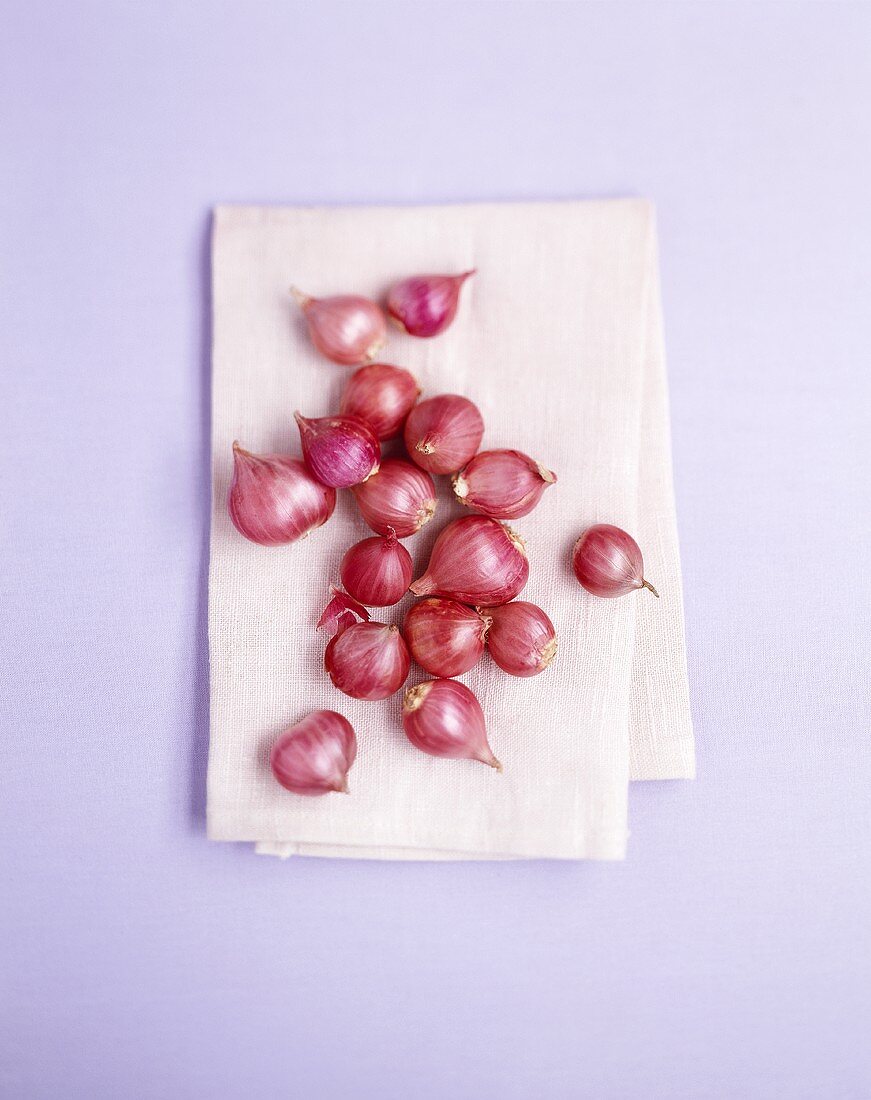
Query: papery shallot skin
(377,571)
(399,497)
(521,639)
(368,660)
(314,756)
(425,305)
(340,451)
(443,433)
(345,328)
(445,637)
(608,562)
(341,610)
(382,395)
(475,560)
(274,499)
(444,718)
(502,484)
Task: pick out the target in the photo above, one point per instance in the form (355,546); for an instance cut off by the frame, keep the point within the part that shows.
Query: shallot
(340,451)
(445,637)
(377,571)
(607,561)
(274,499)
(475,560)
(368,660)
(347,328)
(443,718)
(381,395)
(443,433)
(521,638)
(400,497)
(314,756)
(502,484)
(424,305)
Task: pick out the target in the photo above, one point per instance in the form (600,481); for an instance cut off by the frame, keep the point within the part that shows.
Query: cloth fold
(559,342)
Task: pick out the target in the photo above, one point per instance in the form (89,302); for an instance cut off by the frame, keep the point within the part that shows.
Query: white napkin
(558,341)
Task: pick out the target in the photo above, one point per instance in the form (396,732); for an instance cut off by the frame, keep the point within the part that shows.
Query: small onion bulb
(443,718)
(314,756)
(607,562)
(443,433)
(368,660)
(382,395)
(347,328)
(274,499)
(400,497)
(445,637)
(502,484)
(425,305)
(377,571)
(340,451)
(475,560)
(521,638)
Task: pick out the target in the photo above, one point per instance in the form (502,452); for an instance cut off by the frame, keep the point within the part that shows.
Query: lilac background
(730,955)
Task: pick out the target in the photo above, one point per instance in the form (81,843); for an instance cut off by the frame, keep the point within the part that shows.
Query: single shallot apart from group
(314,756)
(607,562)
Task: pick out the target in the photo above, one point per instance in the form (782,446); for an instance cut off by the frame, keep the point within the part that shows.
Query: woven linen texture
(558,340)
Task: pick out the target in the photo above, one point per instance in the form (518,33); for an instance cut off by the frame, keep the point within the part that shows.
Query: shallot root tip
(649,587)
(372,351)
(546,475)
(548,653)
(302,300)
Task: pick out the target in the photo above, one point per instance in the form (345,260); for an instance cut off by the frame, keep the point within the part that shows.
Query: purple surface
(729,956)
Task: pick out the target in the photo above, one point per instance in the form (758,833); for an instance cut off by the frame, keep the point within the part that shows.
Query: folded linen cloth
(558,340)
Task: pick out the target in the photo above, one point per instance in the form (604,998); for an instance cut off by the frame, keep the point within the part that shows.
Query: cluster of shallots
(478,565)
